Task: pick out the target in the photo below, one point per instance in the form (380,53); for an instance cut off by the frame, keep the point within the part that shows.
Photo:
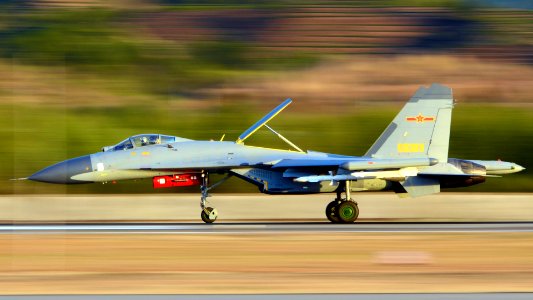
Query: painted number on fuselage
(410,148)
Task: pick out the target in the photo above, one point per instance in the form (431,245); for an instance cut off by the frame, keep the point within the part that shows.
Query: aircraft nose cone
(62,172)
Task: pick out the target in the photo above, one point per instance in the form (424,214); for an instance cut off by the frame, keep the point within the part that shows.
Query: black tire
(205,215)
(331,211)
(347,212)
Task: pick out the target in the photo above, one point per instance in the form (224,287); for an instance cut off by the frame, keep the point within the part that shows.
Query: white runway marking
(268,228)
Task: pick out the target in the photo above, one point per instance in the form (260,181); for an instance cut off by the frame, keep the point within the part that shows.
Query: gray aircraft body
(410,158)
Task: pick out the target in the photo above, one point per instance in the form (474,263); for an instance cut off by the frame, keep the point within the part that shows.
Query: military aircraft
(410,158)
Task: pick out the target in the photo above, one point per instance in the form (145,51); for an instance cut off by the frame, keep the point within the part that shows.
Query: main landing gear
(342,210)
(209,214)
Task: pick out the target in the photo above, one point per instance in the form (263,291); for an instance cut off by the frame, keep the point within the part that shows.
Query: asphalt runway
(443,296)
(264,228)
(161,238)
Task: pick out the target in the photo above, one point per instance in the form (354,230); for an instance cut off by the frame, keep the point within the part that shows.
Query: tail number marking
(410,148)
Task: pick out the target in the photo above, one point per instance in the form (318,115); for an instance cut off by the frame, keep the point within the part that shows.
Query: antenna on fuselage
(263,122)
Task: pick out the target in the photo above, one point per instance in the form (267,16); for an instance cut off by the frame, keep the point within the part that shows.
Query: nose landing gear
(209,214)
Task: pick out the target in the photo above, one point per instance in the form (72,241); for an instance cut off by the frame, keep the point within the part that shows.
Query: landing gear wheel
(209,215)
(347,212)
(331,211)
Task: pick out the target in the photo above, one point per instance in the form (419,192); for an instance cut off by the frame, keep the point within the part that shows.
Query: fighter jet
(410,158)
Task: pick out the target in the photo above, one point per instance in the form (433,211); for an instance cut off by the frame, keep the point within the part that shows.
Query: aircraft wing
(356,164)
(303,163)
(248,132)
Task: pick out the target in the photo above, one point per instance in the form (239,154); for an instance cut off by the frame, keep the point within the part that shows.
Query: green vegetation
(41,137)
(101,42)
(75,38)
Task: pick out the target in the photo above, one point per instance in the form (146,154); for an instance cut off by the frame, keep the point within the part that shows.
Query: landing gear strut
(342,210)
(209,214)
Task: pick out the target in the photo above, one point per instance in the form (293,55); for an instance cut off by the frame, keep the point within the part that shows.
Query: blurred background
(81,74)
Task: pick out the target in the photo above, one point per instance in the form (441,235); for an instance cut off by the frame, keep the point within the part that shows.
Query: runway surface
(443,296)
(266,260)
(155,246)
(380,207)
(263,228)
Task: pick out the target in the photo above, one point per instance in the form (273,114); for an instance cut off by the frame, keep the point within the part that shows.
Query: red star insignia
(420,119)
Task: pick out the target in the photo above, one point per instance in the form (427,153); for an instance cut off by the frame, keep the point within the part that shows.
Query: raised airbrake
(410,158)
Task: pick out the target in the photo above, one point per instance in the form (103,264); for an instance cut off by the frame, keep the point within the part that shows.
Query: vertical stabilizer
(421,128)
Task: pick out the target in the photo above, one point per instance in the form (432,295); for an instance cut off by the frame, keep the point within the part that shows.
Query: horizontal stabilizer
(420,186)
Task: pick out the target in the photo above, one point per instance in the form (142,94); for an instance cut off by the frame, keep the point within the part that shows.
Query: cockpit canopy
(142,140)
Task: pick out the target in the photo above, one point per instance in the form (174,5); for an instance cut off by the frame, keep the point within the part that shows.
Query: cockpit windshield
(124,145)
(145,140)
(142,140)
